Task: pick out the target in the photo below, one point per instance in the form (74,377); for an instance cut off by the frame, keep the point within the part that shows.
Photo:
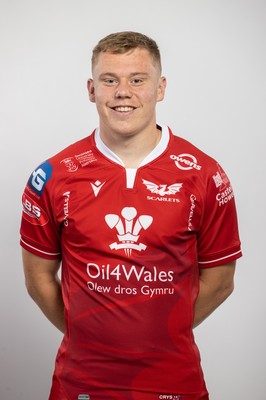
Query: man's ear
(90,87)
(161,88)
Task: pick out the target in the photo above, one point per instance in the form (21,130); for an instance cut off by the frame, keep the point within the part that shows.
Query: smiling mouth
(123,108)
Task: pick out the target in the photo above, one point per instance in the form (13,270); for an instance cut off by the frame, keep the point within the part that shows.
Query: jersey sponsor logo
(222,183)
(164,189)
(186,162)
(128,228)
(66,207)
(191,211)
(85,158)
(32,212)
(40,177)
(83,397)
(70,164)
(225,196)
(220,179)
(122,274)
(96,187)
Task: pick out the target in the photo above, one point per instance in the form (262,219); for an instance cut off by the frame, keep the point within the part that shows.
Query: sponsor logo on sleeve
(32,212)
(222,183)
(225,196)
(220,179)
(40,177)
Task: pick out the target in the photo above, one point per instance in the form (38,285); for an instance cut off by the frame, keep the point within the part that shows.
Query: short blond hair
(123,42)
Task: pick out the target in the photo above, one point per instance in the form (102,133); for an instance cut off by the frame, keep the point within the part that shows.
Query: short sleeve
(40,234)
(218,237)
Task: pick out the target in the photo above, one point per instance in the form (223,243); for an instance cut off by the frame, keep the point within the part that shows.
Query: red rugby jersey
(131,243)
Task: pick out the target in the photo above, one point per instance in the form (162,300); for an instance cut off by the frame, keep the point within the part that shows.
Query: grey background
(213,54)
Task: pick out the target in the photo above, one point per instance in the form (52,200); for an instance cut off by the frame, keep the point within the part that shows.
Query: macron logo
(96,187)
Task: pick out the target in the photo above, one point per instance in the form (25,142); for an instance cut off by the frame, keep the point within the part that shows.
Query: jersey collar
(156,152)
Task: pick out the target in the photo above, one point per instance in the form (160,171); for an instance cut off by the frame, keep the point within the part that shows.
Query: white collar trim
(156,152)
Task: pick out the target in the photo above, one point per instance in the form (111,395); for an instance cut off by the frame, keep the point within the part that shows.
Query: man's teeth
(123,109)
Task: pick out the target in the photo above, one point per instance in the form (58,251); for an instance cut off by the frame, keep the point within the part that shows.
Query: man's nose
(123,90)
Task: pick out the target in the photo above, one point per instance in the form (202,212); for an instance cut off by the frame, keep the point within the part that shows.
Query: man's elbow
(225,290)
(36,285)
(32,288)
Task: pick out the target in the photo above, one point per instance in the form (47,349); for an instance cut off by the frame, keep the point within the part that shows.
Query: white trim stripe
(219,259)
(40,251)
(156,152)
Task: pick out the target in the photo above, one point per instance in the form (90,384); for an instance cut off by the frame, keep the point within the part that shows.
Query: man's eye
(137,81)
(109,81)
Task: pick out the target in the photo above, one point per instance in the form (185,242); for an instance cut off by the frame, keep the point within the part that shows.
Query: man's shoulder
(74,158)
(185,144)
(188,156)
(61,166)
(78,153)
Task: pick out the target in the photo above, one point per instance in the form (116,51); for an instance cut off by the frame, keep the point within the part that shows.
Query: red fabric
(130,265)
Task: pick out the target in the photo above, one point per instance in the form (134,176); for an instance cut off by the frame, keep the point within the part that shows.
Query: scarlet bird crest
(162,190)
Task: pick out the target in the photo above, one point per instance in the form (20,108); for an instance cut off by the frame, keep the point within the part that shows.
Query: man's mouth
(123,108)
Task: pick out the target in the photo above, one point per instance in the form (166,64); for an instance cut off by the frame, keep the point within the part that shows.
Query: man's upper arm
(215,285)
(44,286)
(220,277)
(37,269)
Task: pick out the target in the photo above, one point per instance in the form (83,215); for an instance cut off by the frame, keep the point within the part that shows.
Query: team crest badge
(162,190)
(128,227)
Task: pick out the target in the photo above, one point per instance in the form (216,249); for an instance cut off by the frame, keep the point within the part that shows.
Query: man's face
(126,88)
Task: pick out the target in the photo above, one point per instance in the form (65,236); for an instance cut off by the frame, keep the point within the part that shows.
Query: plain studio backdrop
(213,54)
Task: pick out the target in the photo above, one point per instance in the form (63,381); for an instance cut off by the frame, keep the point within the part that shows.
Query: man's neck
(132,150)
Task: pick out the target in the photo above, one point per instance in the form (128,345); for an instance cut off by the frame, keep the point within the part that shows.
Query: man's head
(126,84)
(123,42)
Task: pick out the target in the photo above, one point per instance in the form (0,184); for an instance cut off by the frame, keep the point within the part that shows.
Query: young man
(145,227)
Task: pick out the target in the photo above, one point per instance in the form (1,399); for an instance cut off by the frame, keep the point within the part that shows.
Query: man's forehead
(110,62)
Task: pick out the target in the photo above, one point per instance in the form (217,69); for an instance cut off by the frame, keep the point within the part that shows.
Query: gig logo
(40,177)
(186,162)
(128,228)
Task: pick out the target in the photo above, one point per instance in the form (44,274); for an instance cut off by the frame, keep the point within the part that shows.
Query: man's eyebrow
(139,73)
(113,74)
